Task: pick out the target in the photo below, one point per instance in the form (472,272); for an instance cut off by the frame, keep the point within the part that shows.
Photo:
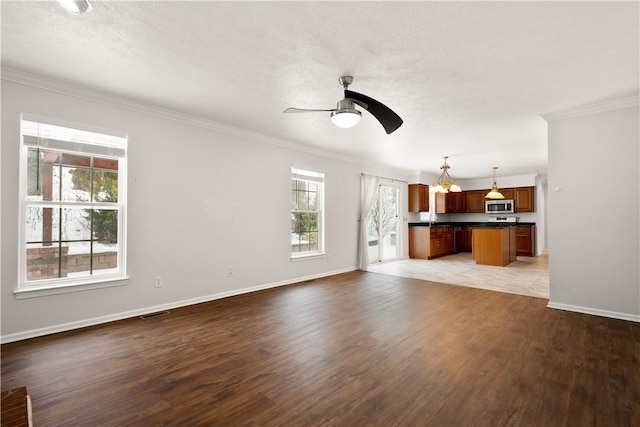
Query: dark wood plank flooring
(350,350)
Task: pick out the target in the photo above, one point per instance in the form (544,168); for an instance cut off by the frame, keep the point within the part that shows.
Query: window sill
(307,257)
(45,290)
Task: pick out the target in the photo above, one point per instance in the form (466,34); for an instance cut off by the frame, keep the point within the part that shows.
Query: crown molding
(52,85)
(584,110)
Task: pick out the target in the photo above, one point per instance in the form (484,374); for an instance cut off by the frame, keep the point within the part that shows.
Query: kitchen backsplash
(465,217)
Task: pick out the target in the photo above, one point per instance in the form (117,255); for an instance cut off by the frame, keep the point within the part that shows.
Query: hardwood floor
(350,350)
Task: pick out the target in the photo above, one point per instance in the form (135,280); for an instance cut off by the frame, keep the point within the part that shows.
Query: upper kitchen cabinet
(508,193)
(524,199)
(456,202)
(418,198)
(475,201)
(451,202)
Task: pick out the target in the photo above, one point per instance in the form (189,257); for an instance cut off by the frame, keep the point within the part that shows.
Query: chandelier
(494,193)
(445,184)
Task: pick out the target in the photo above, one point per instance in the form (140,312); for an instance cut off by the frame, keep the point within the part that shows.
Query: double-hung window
(72,207)
(307,197)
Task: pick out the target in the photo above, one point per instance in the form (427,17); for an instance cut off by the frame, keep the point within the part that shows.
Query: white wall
(199,200)
(594,218)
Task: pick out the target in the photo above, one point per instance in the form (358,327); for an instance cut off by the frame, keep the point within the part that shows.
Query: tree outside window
(72,213)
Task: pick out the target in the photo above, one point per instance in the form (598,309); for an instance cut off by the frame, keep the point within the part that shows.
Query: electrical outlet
(157,282)
(229,271)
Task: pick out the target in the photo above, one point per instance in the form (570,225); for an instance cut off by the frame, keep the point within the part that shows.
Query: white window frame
(66,137)
(317,177)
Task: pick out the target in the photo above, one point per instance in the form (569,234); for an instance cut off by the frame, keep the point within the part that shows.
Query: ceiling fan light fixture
(76,6)
(345,116)
(494,194)
(445,183)
(345,119)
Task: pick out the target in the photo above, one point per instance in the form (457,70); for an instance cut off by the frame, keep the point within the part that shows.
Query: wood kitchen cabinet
(436,246)
(524,199)
(526,240)
(464,242)
(475,201)
(456,202)
(419,242)
(418,198)
(451,202)
(441,242)
(448,240)
(508,193)
(430,242)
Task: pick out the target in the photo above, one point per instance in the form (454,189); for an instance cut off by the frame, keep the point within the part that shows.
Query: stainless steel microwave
(498,206)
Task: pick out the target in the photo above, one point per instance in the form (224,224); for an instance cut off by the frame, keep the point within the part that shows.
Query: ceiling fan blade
(389,120)
(305,110)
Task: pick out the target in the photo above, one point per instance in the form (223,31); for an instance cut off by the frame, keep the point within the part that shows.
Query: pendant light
(445,183)
(494,194)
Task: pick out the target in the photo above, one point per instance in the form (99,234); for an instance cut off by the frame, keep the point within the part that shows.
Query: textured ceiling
(470,79)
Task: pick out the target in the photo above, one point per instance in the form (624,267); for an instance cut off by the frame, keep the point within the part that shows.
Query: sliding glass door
(383,228)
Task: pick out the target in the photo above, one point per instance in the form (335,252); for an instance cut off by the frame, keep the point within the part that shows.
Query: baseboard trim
(19,336)
(595,311)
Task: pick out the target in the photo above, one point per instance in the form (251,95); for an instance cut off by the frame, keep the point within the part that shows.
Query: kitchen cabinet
(464,242)
(418,198)
(451,202)
(508,193)
(526,240)
(448,240)
(441,241)
(456,202)
(524,199)
(436,247)
(430,242)
(419,242)
(472,201)
(475,201)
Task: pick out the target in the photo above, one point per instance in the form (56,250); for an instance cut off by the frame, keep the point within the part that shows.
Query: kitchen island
(494,246)
(428,240)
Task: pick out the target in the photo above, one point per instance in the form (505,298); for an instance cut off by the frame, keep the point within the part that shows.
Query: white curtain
(368,194)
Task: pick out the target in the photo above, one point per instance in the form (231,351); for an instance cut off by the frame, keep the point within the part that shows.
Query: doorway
(383,227)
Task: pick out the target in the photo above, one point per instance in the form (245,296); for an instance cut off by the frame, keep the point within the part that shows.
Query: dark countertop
(472,224)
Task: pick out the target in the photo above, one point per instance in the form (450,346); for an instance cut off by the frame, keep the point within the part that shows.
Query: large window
(306,212)
(72,217)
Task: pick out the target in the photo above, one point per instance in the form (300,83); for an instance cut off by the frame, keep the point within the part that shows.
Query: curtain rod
(384,177)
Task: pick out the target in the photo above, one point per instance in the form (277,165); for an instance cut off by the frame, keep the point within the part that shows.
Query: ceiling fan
(345,115)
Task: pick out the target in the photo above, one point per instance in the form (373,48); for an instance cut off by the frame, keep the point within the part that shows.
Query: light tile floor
(527,276)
